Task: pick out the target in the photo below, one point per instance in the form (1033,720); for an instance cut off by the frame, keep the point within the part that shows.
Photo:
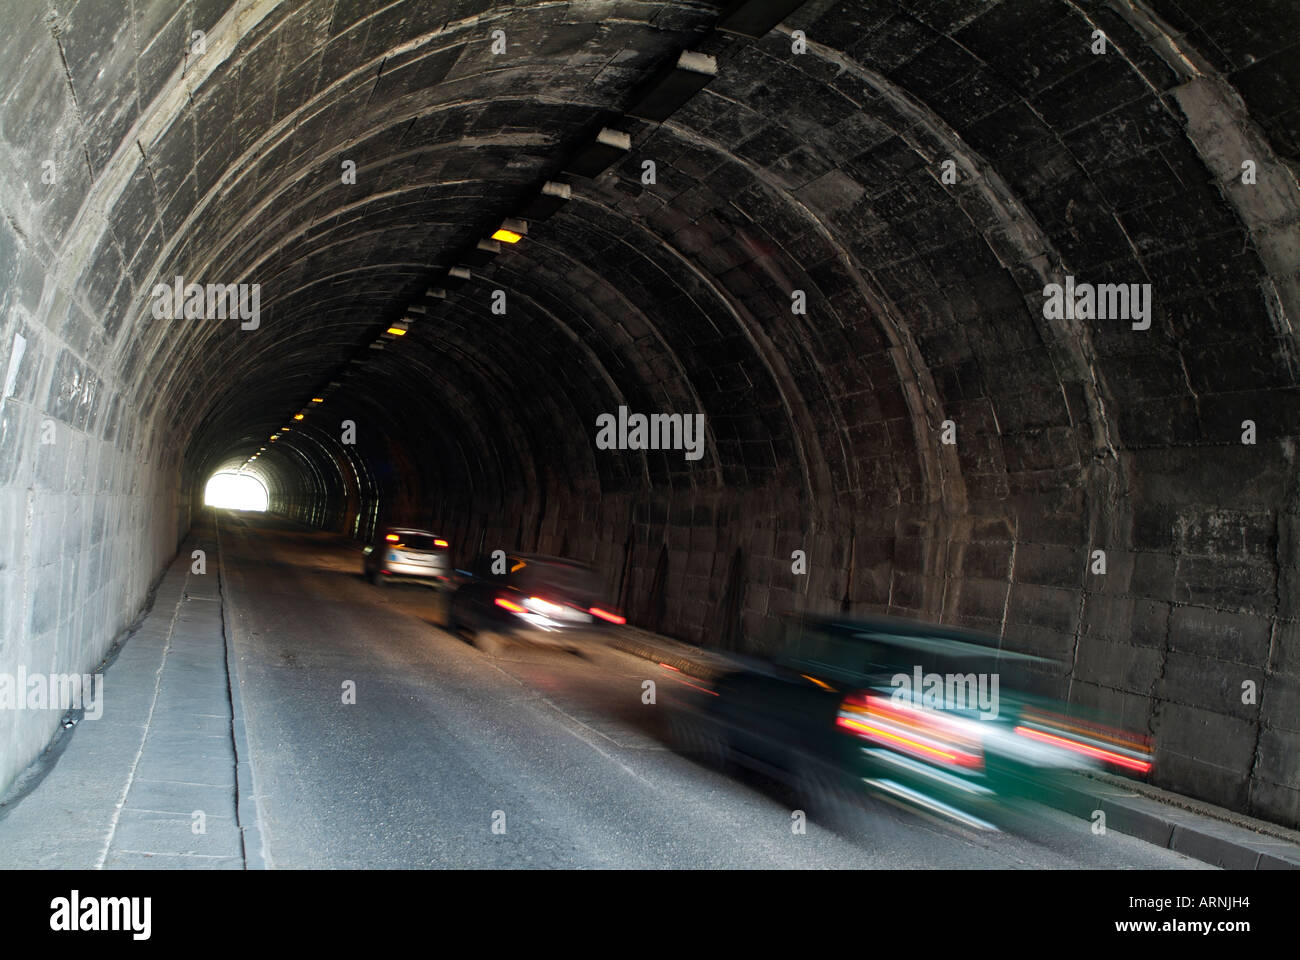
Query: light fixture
(397,330)
(595,157)
(511,230)
(317,399)
(755,18)
(673,85)
(275,437)
(548,201)
(457,277)
(297,416)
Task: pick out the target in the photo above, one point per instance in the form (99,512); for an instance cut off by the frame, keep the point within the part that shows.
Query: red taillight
(1088,750)
(440,543)
(907,728)
(1128,751)
(510,605)
(606,615)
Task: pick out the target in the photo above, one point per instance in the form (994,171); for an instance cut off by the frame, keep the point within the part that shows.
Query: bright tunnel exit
(235,491)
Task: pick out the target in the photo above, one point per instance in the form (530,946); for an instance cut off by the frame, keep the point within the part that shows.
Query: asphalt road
(443,744)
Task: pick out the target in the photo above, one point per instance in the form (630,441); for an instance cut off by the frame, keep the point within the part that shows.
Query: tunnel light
(673,85)
(275,437)
(297,416)
(418,310)
(594,158)
(755,18)
(397,330)
(376,346)
(435,293)
(548,202)
(317,399)
(457,277)
(511,230)
(482,253)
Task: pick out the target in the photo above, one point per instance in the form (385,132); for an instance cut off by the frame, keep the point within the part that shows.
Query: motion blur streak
(1129,763)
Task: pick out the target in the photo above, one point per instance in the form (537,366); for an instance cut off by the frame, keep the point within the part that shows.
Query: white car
(404,553)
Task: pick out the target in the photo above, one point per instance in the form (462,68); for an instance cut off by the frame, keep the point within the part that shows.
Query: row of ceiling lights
(666,91)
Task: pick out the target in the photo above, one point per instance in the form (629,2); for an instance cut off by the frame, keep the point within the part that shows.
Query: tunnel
(983,312)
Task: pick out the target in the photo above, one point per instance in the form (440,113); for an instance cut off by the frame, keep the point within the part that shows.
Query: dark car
(529,598)
(407,554)
(933,716)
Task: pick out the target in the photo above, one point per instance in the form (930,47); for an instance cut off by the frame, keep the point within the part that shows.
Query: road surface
(451,758)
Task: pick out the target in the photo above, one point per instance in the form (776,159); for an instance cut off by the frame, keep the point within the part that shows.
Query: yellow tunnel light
(317,399)
(511,231)
(297,416)
(275,437)
(396,331)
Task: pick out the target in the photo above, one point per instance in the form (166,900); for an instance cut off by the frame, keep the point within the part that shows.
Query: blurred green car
(936,717)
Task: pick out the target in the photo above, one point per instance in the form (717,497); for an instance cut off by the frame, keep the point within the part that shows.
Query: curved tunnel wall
(822,172)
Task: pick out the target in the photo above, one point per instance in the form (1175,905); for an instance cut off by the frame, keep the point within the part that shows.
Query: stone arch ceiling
(818,172)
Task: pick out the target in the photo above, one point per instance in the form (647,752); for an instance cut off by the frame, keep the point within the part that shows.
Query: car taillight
(1115,747)
(606,615)
(917,731)
(510,605)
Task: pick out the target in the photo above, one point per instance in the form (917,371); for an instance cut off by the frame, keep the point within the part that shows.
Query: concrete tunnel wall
(819,171)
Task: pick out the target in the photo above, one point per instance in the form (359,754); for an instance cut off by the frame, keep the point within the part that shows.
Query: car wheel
(492,643)
(697,737)
(826,798)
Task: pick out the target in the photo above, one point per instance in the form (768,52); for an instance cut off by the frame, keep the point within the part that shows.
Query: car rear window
(571,581)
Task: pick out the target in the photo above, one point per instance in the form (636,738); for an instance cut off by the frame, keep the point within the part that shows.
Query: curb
(246,810)
(1200,836)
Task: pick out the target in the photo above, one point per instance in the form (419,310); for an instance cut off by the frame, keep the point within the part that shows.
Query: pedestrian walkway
(152,782)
